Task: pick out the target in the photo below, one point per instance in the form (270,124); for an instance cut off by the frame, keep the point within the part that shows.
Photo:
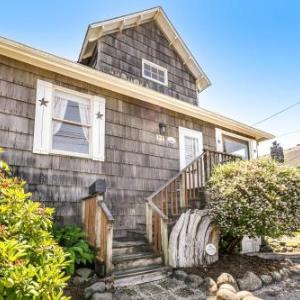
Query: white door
(190,145)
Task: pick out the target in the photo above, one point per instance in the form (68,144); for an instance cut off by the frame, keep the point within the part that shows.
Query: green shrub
(31,262)
(255,198)
(72,238)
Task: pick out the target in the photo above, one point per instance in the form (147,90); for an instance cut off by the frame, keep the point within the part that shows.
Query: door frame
(183,131)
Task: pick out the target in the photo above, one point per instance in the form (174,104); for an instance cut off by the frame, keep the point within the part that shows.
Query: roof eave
(94,77)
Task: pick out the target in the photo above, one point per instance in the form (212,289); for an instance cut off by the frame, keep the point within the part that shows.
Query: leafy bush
(255,198)
(31,262)
(72,238)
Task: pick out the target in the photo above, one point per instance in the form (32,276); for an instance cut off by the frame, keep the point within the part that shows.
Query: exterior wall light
(162,128)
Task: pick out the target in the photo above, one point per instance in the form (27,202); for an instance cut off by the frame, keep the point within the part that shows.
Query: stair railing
(177,194)
(98,222)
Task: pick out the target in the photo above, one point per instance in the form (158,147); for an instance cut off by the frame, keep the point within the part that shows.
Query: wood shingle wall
(136,163)
(121,54)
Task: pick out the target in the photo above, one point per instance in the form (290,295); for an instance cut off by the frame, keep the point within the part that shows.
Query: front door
(190,145)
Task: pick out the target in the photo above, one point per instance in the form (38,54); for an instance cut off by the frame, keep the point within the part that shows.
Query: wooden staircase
(135,262)
(186,190)
(142,256)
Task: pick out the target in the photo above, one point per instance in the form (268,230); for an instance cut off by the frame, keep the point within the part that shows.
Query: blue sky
(250,50)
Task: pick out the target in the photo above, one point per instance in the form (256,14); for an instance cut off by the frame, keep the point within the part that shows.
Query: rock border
(225,288)
(228,288)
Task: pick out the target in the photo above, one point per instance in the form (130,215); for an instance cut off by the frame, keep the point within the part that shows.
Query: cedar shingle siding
(121,54)
(135,165)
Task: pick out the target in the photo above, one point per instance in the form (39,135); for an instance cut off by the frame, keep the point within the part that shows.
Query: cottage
(128,113)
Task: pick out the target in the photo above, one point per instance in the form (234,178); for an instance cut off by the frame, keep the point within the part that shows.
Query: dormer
(146,49)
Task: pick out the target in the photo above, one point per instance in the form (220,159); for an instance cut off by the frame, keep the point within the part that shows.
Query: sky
(250,49)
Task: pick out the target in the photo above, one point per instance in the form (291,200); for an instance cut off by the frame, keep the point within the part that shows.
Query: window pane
(161,79)
(147,73)
(161,73)
(69,137)
(236,147)
(67,108)
(146,67)
(154,76)
(191,149)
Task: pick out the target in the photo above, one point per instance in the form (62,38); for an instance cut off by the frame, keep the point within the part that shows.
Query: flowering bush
(31,262)
(255,198)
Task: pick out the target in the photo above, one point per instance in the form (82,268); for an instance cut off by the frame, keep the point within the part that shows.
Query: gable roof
(157,14)
(97,78)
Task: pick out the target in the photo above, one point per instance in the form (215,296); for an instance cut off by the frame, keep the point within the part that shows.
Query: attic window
(154,72)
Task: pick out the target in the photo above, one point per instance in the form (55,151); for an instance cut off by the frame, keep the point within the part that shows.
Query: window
(68,122)
(154,72)
(236,146)
(71,123)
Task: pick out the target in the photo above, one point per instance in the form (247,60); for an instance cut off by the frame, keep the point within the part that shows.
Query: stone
(180,275)
(266,279)
(77,280)
(98,287)
(243,294)
(224,294)
(283,273)
(102,296)
(227,278)
(288,261)
(210,285)
(193,281)
(85,272)
(227,286)
(250,282)
(276,275)
(252,298)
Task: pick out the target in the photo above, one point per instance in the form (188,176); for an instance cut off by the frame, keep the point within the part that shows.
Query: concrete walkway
(166,289)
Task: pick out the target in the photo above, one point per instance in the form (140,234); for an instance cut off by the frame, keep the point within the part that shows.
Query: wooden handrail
(98,225)
(157,210)
(106,211)
(177,193)
(205,151)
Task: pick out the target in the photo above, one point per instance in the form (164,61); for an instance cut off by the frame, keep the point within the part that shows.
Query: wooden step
(130,247)
(136,234)
(141,275)
(141,227)
(130,261)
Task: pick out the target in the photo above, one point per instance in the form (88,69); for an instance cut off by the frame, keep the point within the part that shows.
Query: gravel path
(285,290)
(172,289)
(167,289)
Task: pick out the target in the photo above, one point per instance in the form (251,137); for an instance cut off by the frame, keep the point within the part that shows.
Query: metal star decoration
(99,115)
(43,102)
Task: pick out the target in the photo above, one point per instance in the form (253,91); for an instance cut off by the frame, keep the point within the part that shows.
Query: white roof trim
(131,20)
(86,74)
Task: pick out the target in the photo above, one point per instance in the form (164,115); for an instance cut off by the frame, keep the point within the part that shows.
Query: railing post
(164,239)
(83,212)
(109,244)
(98,216)
(182,191)
(149,214)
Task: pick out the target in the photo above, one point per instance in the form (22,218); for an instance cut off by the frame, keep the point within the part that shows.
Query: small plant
(254,198)
(31,263)
(72,238)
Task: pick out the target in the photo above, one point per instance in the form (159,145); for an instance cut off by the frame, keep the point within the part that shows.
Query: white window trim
(145,61)
(251,142)
(183,131)
(44,117)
